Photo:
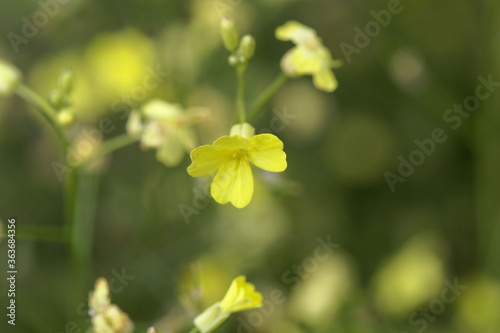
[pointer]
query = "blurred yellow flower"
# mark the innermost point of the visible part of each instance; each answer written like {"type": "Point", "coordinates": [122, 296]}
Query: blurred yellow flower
{"type": "Point", "coordinates": [107, 317]}
{"type": "Point", "coordinates": [308, 57]}
{"type": "Point", "coordinates": [9, 77]}
{"type": "Point", "coordinates": [240, 296]}
{"type": "Point", "coordinates": [118, 62]}
{"type": "Point", "coordinates": [230, 156]}
{"type": "Point", "coordinates": [166, 127]}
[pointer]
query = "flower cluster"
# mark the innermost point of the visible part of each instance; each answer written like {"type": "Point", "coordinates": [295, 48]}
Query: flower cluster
{"type": "Point", "coordinates": [167, 128]}
{"type": "Point", "coordinates": [230, 157]}
{"type": "Point", "coordinates": [106, 317]}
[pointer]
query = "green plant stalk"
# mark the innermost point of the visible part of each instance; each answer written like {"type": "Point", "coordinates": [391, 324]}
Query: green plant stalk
{"type": "Point", "coordinates": [82, 230]}
{"type": "Point", "coordinates": [108, 147]}
{"type": "Point", "coordinates": [46, 111]}
{"type": "Point", "coordinates": [267, 95]}
{"type": "Point", "coordinates": [195, 330]}
{"type": "Point", "coordinates": [240, 97]}
{"type": "Point", "coordinates": [76, 240]}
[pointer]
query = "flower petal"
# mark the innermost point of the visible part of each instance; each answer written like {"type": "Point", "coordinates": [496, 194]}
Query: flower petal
{"type": "Point", "coordinates": [233, 183]}
{"type": "Point", "coordinates": [231, 143]}
{"type": "Point", "coordinates": [158, 109]}
{"type": "Point", "coordinates": [171, 152]}
{"type": "Point", "coordinates": [241, 296]}
{"type": "Point", "coordinates": [134, 124]}
{"type": "Point", "coordinates": [152, 135]}
{"type": "Point", "coordinates": [325, 80]}
{"type": "Point", "coordinates": [296, 32]}
{"type": "Point", "coordinates": [267, 153]}
{"type": "Point", "coordinates": [300, 61]}
{"type": "Point", "coordinates": [206, 160]}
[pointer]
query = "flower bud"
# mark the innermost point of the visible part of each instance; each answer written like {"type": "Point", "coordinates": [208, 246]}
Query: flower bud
{"type": "Point", "coordinates": [9, 78]}
{"type": "Point", "coordinates": [65, 81]}
{"type": "Point", "coordinates": [247, 47]}
{"type": "Point", "coordinates": [232, 60]}
{"type": "Point", "coordinates": [153, 330]}
{"type": "Point", "coordinates": [229, 34]}
{"type": "Point", "coordinates": [65, 117]}
{"type": "Point", "coordinates": [244, 129]}
{"type": "Point", "coordinates": [57, 99]}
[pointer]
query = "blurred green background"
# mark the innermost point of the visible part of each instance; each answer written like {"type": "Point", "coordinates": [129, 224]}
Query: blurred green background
{"type": "Point", "coordinates": [398, 251]}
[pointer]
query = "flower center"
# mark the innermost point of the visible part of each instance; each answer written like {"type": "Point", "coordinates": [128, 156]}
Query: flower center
{"type": "Point", "coordinates": [240, 154]}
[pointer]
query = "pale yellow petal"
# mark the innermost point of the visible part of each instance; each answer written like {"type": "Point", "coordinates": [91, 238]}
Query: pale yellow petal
{"type": "Point", "coordinates": [158, 109]}
{"type": "Point", "coordinates": [171, 152]}
{"type": "Point", "coordinates": [152, 135]}
{"type": "Point", "coordinates": [300, 61]}
{"type": "Point", "coordinates": [205, 161]}
{"type": "Point", "coordinates": [134, 124]}
{"type": "Point", "coordinates": [231, 143]}
{"type": "Point", "coordinates": [267, 153]}
{"type": "Point", "coordinates": [295, 32]}
{"type": "Point", "coordinates": [233, 183]}
{"type": "Point", "coordinates": [325, 80]}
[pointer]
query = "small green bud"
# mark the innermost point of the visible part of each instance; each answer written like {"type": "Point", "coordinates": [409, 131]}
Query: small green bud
{"type": "Point", "coordinates": [247, 47]}
{"type": "Point", "coordinates": [229, 34]}
{"type": "Point", "coordinates": [57, 99]}
{"type": "Point", "coordinates": [65, 81]}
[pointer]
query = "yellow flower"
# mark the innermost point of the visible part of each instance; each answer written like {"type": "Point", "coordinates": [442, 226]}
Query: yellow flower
{"type": "Point", "coordinates": [230, 157]}
{"type": "Point", "coordinates": [240, 296]}
{"type": "Point", "coordinates": [166, 127]}
{"type": "Point", "coordinates": [308, 57]}
{"type": "Point", "coordinates": [9, 78]}
{"type": "Point", "coordinates": [107, 317]}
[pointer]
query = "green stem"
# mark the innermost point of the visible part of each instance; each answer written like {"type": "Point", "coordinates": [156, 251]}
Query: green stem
{"type": "Point", "coordinates": [82, 230]}
{"type": "Point", "coordinates": [240, 99]}
{"type": "Point", "coordinates": [266, 96]}
{"type": "Point", "coordinates": [108, 147]}
{"type": "Point", "coordinates": [46, 110]}
{"type": "Point", "coordinates": [195, 330]}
